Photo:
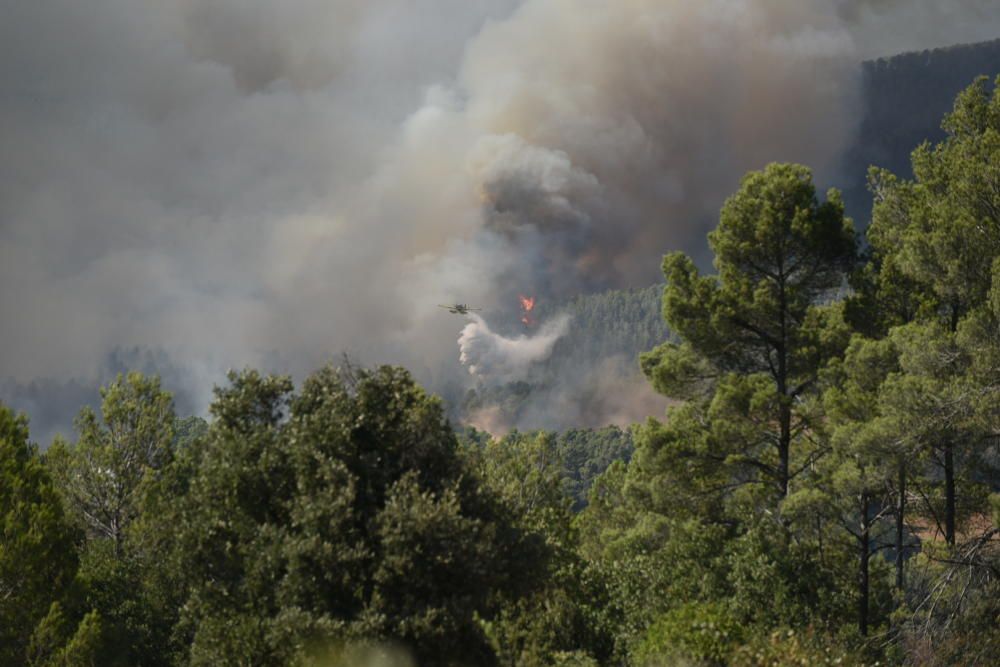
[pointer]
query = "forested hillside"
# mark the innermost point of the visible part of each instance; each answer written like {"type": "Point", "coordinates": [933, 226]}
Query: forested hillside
{"type": "Point", "coordinates": [608, 324]}
{"type": "Point", "coordinates": [598, 353]}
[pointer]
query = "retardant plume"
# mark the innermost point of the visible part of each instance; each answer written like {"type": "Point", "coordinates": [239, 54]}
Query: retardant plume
{"type": "Point", "coordinates": [493, 358]}
{"type": "Point", "coordinates": [244, 183]}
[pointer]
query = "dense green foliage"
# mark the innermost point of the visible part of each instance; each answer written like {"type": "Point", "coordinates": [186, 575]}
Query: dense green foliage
{"type": "Point", "coordinates": [822, 491]}
{"type": "Point", "coordinates": [903, 99]}
{"type": "Point", "coordinates": [38, 562]}
{"type": "Point", "coordinates": [580, 455]}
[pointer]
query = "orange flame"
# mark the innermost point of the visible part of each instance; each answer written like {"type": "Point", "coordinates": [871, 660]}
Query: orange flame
{"type": "Point", "coordinates": [527, 305]}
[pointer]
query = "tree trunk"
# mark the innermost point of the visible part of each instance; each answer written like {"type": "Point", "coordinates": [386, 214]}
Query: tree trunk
{"type": "Point", "coordinates": [949, 494]}
{"type": "Point", "coordinates": [784, 420]}
{"type": "Point", "coordinates": [785, 411]}
{"type": "Point", "coordinates": [949, 462]}
{"type": "Point", "coordinates": [864, 546]}
{"type": "Point", "coordinates": [784, 446]}
{"type": "Point", "coordinates": [900, 515]}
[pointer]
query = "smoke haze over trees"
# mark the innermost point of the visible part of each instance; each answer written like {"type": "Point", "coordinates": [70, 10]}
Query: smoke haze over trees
{"type": "Point", "coordinates": [303, 180]}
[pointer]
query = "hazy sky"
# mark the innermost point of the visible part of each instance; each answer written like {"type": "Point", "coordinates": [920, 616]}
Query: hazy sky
{"type": "Point", "coordinates": [234, 182]}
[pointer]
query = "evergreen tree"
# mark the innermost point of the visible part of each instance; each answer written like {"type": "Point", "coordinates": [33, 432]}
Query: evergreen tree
{"type": "Point", "coordinates": [38, 561]}
{"type": "Point", "coordinates": [754, 337]}
{"type": "Point", "coordinates": [851, 488]}
{"type": "Point", "coordinates": [936, 238]}
{"type": "Point", "coordinates": [100, 476]}
{"type": "Point", "coordinates": [343, 512]}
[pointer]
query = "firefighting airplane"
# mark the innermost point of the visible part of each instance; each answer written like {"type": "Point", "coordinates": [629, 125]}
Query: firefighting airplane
{"type": "Point", "coordinates": [459, 308]}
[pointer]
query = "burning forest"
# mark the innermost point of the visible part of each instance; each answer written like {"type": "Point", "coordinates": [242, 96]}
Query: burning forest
{"type": "Point", "coordinates": [662, 332]}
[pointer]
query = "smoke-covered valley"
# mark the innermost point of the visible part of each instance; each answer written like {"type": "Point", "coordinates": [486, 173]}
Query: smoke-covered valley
{"type": "Point", "coordinates": [210, 184]}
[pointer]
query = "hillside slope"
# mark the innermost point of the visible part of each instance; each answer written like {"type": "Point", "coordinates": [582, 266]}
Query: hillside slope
{"type": "Point", "coordinates": [592, 377]}
{"type": "Point", "coordinates": [904, 98]}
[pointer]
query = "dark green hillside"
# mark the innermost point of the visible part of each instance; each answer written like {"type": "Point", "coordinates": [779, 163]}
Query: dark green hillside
{"type": "Point", "coordinates": [613, 323]}
{"type": "Point", "coordinates": [904, 98]}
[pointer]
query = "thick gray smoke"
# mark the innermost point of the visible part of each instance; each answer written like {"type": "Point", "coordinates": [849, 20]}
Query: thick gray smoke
{"type": "Point", "coordinates": [887, 27]}
{"type": "Point", "coordinates": [241, 182]}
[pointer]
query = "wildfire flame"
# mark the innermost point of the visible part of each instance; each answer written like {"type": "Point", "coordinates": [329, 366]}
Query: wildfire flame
{"type": "Point", "coordinates": [527, 305]}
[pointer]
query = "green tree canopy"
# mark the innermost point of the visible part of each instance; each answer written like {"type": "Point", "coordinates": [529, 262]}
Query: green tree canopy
{"type": "Point", "coordinates": [754, 336]}
{"type": "Point", "coordinates": [343, 511]}
{"type": "Point", "coordinates": [38, 558]}
{"type": "Point", "coordinates": [940, 232]}
{"type": "Point", "coordinates": [100, 476]}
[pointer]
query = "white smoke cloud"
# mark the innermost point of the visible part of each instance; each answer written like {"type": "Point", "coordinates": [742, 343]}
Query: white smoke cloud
{"type": "Point", "coordinates": [496, 359]}
{"type": "Point", "coordinates": [609, 391]}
